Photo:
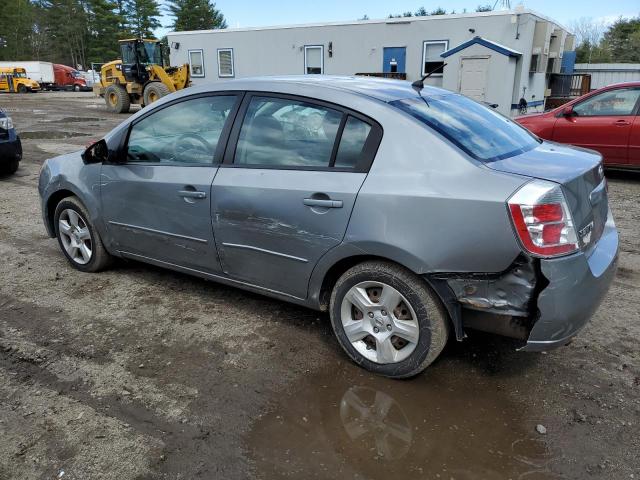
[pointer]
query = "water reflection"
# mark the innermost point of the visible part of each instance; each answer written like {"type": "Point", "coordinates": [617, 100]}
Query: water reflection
{"type": "Point", "coordinates": [372, 417]}
{"type": "Point", "coordinates": [451, 422]}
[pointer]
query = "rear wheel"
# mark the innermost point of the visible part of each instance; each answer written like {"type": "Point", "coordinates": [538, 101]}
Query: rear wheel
{"type": "Point", "coordinates": [117, 99]}
{"type": "Point", "coordinates": [154, 91]}
{"type": "Point", "coordinates": [77, 237]}
{"type": "Point", "coordinates": [387, 319]}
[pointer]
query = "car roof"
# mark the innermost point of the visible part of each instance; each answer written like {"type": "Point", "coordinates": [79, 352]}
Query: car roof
{"type": "Point", "coordinates": [382, 89]}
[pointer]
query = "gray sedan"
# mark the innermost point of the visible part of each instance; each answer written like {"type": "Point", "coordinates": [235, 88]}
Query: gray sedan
{"type": "Point", "coordinates": [409, 214]}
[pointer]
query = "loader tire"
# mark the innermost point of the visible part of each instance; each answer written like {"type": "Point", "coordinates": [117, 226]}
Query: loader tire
{"type": "Point", "coordinates": [117, 99]}
{"type": "Point", "coordinates": [154, 91]}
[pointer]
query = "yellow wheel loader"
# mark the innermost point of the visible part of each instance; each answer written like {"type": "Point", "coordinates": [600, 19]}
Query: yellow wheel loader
{"type": "Point", "coordinates": [139, 77]}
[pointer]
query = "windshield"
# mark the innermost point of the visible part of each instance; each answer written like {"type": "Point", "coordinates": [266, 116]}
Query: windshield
{"type": "Point", "coordinates": [76, 74]}
{"type": "Point", "coordinates": [479, 131]}
{"type": "Point", "coordinates": [20, 75]}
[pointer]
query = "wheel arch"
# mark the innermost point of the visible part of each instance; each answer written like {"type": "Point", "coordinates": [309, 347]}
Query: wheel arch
{"type": "Point", "coordinates": [50, 208]}
{"type": "Point", "coordinates": [322, 284]}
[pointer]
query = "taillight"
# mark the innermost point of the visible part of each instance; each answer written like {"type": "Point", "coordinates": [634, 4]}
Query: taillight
{"type": "Point", "coordinates": [542, 219]}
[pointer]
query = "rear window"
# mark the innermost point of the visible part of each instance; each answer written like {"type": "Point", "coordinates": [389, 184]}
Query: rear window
{"type": "Point", "coordinates": [481, 132]}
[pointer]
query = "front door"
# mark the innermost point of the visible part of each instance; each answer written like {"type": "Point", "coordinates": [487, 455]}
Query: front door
{"type": "Point", "coordinates": [394, 60]}
{"type": "Point", "coordinates": [284, 195]}
{"type": "Point", "coordinates": [157, 203]}
{"type": "Point", "coordinates": [602, 122]}
{"type": "Point", "coordinates": [473, 77]}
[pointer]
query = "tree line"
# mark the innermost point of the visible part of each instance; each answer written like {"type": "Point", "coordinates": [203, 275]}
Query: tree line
{"type": "Point", "coordinates": [79, 32]}
{"type": "Point", "coordinates": [616, 43]}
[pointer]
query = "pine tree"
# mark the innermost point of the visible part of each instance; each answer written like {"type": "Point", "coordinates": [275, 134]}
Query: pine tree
{"type": "Point", "coordinates": [195, 15]}
{"type": "Point", "coordinates": [143, 17]}
{"type": "Point", "coordinates": [16, 30]}
{"type": "Point", "coordinates": [104, 29]}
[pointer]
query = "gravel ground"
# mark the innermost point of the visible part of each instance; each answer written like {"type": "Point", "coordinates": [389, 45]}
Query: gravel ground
{"type": "Point", "coordinates": [141, 373]}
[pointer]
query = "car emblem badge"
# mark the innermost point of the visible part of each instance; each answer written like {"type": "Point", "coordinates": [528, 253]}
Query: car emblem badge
{"type": "Point", "coordinates": [585, 233]}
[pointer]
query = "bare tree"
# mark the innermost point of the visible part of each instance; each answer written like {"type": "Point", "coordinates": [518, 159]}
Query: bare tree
{"type": "Point", "coordinates": [587, 30]}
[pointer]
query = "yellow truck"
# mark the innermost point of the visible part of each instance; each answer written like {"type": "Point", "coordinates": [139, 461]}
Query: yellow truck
{"type": "Point", "coordinates": [15, 80]}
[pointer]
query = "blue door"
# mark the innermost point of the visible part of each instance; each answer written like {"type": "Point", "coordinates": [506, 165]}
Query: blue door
{"type": "Point", "coordinates": [394, 59]}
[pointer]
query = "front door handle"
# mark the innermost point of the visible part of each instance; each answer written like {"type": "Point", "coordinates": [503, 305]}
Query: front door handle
{"type": "Point", "coordinates": [622, 123]}
{"type": "Point", "coordinates": [324, 203]}
{"type": "Point", "coordinates": [192, 194]}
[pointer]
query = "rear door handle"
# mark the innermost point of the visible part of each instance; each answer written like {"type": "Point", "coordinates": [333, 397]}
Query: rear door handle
{"type": "Point", "coordinates": [318, 202]}
{"type": "Point", "coordinates": [192, 194]}
{"type": "Point", "coordinates": [622, 123]}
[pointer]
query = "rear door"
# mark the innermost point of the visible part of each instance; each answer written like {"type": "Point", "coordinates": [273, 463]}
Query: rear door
{"type": "Point", "coordinates": [634, 142]}
{"type": "Point", "coordinates": [157, 203]}
{"type": "Point", "coordinates": [285, 192]}
{"type": "Point", "coordinates": [602, 122]}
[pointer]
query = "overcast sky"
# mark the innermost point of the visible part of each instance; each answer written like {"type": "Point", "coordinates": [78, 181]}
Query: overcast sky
{"type": "Point", "coordinates": [252, 13]}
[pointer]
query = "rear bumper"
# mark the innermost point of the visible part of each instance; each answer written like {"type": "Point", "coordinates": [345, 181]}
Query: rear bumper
{"type": "Point", "coordinates": [577, 285]}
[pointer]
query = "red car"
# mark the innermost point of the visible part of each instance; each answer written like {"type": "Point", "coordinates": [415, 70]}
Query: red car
{"type": "Point", "coordinates": [606, 120]}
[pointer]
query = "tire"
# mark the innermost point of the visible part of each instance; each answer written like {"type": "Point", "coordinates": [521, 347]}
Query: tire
{"type": "Point", "coordinates": [154, 91]}
{"type": "Point", "coordinates": [422, 326]}
{"type": "Point", "coordinates": [9, 168]}
{"type": "Point", "coordinates": [76, 88]}
{"type": "Point", "coordinates": [99, 258]}
{"type": "Point", "coordinates": [117, 99]}
{"type": "Point", "coordinates": [22, 89]}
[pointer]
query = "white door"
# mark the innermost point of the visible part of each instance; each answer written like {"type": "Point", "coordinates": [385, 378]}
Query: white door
{"type": "Point", "coordinates": [473, 77]}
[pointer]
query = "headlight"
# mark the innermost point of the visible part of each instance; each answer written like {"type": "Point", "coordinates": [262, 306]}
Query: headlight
{"type": "Point", "coordinates": [6, 123]}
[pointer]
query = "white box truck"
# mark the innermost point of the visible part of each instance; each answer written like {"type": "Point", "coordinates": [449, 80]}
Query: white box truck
{"type": "Point", "coordinates": [41, 72]}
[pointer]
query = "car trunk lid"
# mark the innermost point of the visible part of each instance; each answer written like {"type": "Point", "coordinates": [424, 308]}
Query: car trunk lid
{"type": "Point", "coordinates": [579, 172]}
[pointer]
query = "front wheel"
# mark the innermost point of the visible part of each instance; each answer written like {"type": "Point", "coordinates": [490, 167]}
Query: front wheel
{"type": "Point", "coordinates": [387, 319]}
{"type": "Point", "coordinates": [154, 91]}
{"type": "Point", "coordinates": [117, 99]}
{"type": "Point", "coordinates": [78, 239]}
{"type": "Point", "coordinates": [22, 89]}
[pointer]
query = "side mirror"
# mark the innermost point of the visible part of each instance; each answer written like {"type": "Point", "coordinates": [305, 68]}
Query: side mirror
{"type": "Point", "coordinates": [567, 111]}
{"type": "Point", "coordinates": [96, 153]}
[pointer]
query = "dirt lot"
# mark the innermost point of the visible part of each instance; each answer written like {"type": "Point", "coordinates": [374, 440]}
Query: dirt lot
{"type": "Point", "coordinates": [140, 373]}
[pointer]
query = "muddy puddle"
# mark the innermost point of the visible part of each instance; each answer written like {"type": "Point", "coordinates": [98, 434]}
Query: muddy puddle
{"type": "Point", "coordinates": [51, 135]}
{"type": "Point", "coordinates": [349, 424]}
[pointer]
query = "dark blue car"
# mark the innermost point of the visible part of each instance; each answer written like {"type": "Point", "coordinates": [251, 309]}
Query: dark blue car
{"type": "Point", "coordinates": [10, 146]}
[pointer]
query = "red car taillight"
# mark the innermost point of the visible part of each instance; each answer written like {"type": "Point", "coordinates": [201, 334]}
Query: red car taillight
{"type": "Point", "coordinates": [542, 219]}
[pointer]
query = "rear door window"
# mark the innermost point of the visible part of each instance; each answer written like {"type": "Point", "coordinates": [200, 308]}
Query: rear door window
{"type": "Point", "coordinates": [352, 143]}
{"type": "Point", "coordinates": [297, 133]}
{"type": "Point", "coordinates": [278, 132]}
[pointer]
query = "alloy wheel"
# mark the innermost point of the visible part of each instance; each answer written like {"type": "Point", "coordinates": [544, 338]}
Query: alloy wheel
{"type": "Point", "coordinates": [75, 236]}
{"type": "Point", "coordinates": [379, 322]}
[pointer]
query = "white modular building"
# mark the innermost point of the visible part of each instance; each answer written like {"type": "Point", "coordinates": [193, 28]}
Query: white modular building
{"type": "Point", "coordinates": [497, 57]}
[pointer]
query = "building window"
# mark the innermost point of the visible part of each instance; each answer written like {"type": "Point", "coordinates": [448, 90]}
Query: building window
{"type": "Point", "coordinates": [314, 59]}
{"type": "Point", "coordinates": [225, 62]}
{"type": "Point", "coordinates": [431, 59]}
{"type": "Point", "coordinates": [196, 63]}
{"type": "Point", "coordinates": [534, 67]}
